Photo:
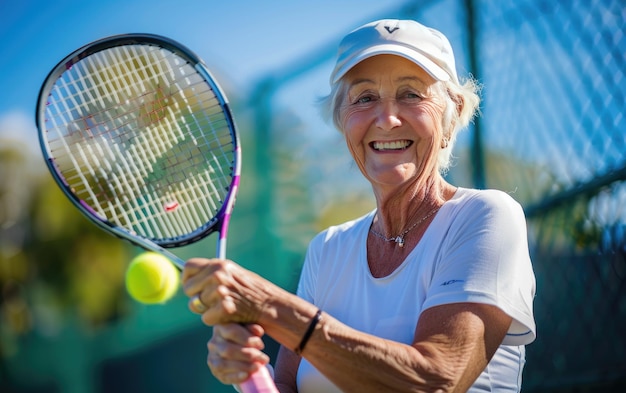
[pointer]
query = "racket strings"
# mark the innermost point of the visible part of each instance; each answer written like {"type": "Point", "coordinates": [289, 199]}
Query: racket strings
{"type": "Point", "coordinates": [143, 139]}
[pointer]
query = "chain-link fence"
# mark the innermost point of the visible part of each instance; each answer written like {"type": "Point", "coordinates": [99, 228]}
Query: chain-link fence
{"type": "Point", "coordinates": [552, 133]}
{"type": "Point", "coordinates": [555, 77]}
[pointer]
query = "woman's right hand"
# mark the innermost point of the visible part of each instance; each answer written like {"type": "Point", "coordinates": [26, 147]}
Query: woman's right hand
{"type": "Point", "coordinates": [235, 352]}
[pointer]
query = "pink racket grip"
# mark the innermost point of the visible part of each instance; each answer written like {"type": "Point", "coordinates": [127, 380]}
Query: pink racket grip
{"type": "Point", "coordinates": [259, 382]}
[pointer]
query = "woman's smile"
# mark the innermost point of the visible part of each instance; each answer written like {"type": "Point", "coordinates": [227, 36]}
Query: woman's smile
{"type": "Point", "coordinates": [393, 146]}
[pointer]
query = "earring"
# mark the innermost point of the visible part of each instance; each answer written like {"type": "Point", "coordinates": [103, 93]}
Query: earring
{"type": "Point", "coordinates": [444, 143]}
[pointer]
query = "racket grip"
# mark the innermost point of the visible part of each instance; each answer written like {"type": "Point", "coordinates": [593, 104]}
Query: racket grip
{"type": "Point", "coordinates": [259, 382]}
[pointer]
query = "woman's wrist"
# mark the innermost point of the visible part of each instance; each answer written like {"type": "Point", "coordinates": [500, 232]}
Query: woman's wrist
{"type": "Point", "coordinates": [307, 334]}
{"type": "Point", "coordinates": [285, 315]}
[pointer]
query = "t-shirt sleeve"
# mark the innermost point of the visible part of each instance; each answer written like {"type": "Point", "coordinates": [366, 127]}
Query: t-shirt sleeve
{"type": "Point", "coordinates": [310, 268]}
{"type": "Point", "coordinates": [485, 259]}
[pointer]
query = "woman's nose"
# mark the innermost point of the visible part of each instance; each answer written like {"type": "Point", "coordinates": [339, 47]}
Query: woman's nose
{"type": "Point", "coordinates": [388, 116]}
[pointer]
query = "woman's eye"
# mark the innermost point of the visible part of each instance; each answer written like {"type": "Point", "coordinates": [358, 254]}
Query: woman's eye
{"type": "Point", "coordinates": [364, 100]}
{"type": "Point", "coordinates": [412, 95]}
{"type": "Point", "coordinates": [410, 98]}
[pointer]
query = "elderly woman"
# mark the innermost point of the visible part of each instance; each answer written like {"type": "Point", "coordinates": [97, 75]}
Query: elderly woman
{"type": "Point", "coordinates": [431, 291]}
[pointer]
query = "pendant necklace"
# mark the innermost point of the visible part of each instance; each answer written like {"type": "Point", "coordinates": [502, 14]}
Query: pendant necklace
{"type": "Point", "coordinates": [400, 238]}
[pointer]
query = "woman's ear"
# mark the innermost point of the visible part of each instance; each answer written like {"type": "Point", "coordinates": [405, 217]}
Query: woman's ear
{"type": "Point", "coordinates": [459, 101]}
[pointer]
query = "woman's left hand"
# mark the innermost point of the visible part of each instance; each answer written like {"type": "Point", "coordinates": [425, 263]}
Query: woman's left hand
{"type": "Point", "coordinates": [235, 352]}
{"type": "Point", "coordinates": [223, 292]}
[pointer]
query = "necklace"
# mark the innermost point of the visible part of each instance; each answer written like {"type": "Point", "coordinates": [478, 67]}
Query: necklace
{"type": "Point", "coordinates": [400, 238]}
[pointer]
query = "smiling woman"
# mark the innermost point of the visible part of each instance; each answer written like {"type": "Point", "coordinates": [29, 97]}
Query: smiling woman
{"type": "Point", "coordinates": [459, 101]}
{"type": "Point", "coordinates": [387, 106]}
{"type": "Point", "coordinates": [431, 290]}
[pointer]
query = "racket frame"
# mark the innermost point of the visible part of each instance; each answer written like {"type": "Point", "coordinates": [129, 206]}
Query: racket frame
{"type": "Point", "coordinates": [220, 220]}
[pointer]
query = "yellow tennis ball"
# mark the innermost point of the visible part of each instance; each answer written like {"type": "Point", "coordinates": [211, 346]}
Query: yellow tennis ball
{"type": "Point", "coordinates": [151, 278]}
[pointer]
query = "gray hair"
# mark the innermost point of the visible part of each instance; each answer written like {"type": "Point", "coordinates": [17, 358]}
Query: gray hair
{"type": "Point", "coordinates": [461, 105]}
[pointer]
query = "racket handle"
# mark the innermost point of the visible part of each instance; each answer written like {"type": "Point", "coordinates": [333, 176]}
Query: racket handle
{"type": "Point", "coordinates": [259, 382]}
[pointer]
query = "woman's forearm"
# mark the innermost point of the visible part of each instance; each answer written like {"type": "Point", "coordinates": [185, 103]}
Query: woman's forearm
{"type": "Point", "coordinates": [442, 359]}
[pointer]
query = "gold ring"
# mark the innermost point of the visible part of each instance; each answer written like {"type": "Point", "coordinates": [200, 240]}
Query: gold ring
{"type": "Point", "coordinates": [197, 304]}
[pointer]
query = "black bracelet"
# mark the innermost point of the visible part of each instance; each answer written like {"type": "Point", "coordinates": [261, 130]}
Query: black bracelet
{"type": "Point", "coordinates": [309, 332]}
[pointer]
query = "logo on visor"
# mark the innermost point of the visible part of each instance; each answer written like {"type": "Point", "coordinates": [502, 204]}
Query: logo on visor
{"type": "Point", "coordinates": [391, 29]}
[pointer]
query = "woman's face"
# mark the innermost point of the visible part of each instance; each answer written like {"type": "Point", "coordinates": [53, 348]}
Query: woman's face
{"type": "Point", "coordinates": [391, 118]}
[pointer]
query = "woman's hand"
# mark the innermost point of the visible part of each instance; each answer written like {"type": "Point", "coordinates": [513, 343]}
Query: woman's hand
{"type": "Point", "coordinates": [235, 352]}
{"type": "Point", "coordinates": [223, 292]}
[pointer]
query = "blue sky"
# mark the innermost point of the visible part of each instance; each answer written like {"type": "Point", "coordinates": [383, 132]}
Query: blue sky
{"type": "Point", "coordinates": [242, 40]}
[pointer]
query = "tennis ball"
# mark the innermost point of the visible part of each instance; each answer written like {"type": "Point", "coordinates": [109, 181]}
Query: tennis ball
{"type": "Point", "coordinates": [151, 278]}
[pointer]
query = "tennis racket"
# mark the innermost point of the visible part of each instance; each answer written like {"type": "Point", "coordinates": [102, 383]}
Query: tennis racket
{"type": "Point", "coordinates": [140, 138]}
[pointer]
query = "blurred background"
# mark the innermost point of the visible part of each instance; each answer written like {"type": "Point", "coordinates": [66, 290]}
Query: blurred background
{"type": "Point", "coordinates": [552, 134]}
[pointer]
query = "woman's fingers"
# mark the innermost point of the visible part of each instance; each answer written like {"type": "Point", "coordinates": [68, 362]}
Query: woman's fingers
{"type": "Point", "coordinates": [196, 305]}
{"type": "Point", "coordinates": [242, 335]}
{"type": "Point", "coordinates": [223, 292]}
{"type": "Point", "coordinates": [206, 282]}
{"type": "Point", "coordinates": [198, 274]}
{"type": "Point", "coordinates": [235, 351]}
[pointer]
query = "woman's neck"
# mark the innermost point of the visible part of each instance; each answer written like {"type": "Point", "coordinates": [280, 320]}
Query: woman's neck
{"type": "Point", "coordinates": [398, 209]}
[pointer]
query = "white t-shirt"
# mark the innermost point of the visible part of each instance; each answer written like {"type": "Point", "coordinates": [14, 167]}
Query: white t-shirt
{"type": "Point", "coordinates": [475, 250]}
